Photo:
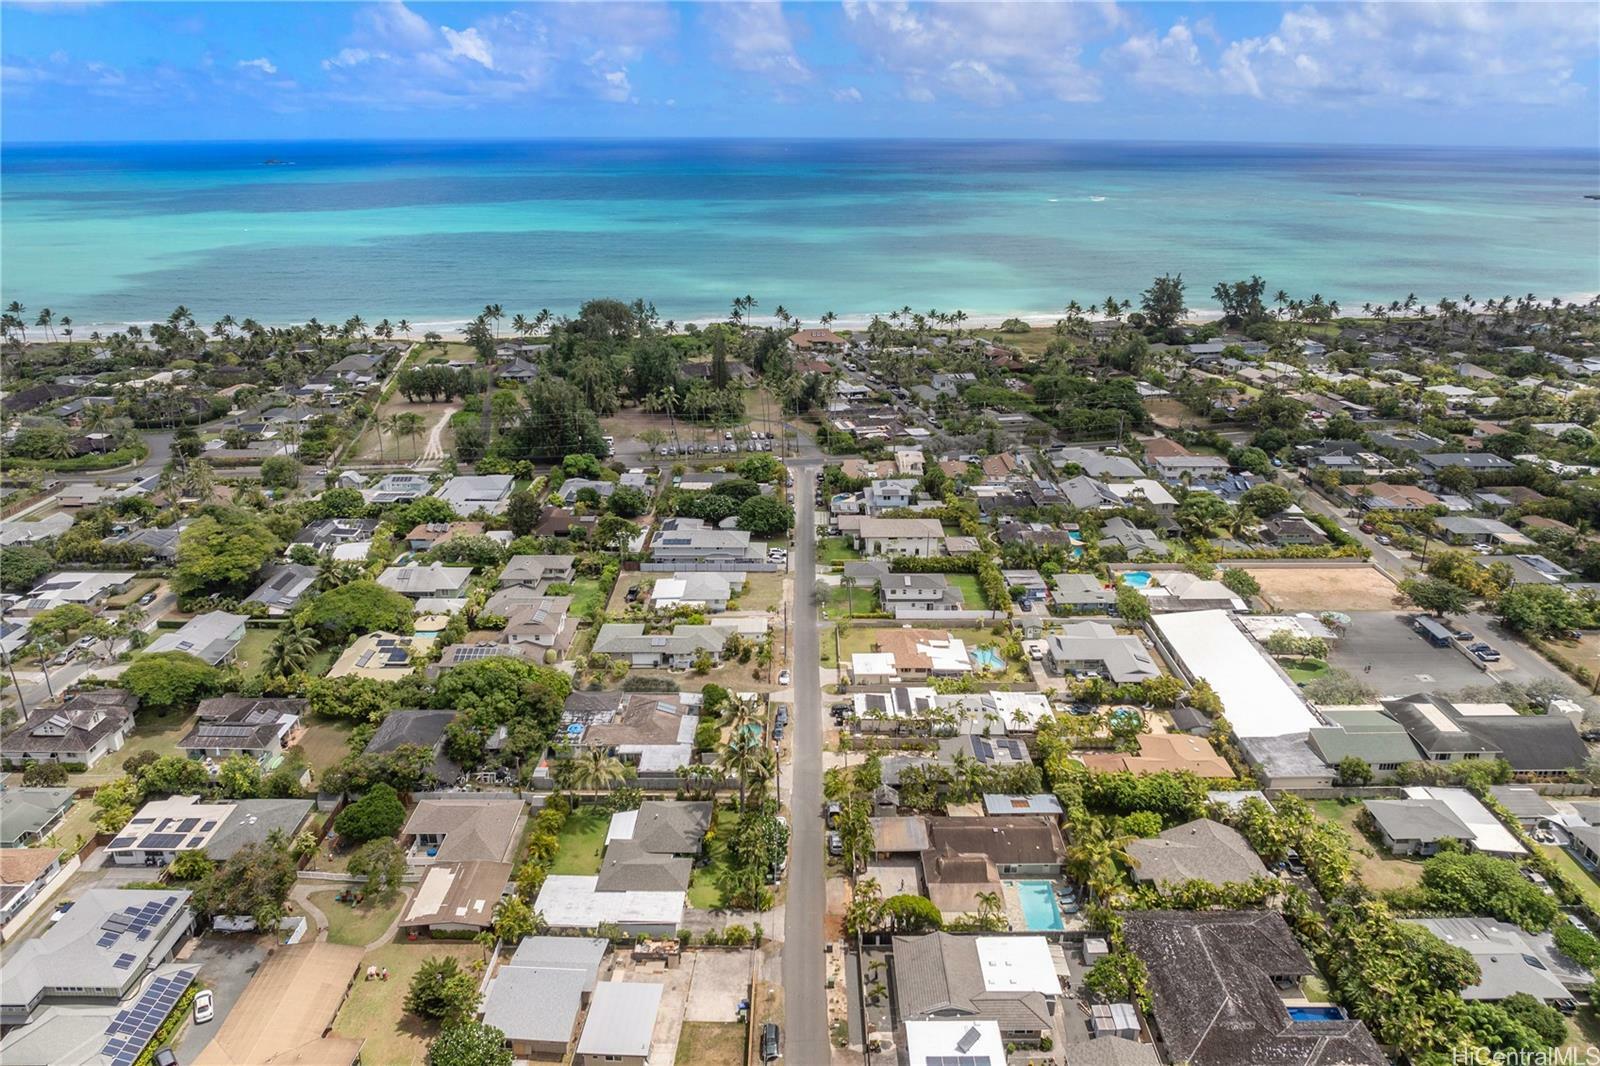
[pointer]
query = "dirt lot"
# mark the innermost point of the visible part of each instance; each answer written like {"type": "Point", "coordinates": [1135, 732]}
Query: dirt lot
{"type": "Point", "coordinates": [1172, 414]}
{"type": "Point", "coordinates": [403, 448]}
{"type": "Point", "coordinates": [1329, 588]}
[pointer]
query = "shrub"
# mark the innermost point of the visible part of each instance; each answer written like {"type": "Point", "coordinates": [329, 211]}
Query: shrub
{"type": "Point", "coordinates": [377, 814]}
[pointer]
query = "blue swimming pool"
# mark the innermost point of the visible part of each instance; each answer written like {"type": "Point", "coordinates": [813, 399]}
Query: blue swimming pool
{"type": "Point", "coordinates": [987, 658]}
{"type": "Point", "coordinates": [1137, 578]}
{"type": "Point", "coordinates": [1039, 910]}
{"type": "Point", "coordinates": [1316, 1014]}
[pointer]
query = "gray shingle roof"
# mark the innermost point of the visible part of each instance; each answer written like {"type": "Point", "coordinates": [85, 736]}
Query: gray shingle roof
{"type": "Point", "coordinates": [1201, 850]}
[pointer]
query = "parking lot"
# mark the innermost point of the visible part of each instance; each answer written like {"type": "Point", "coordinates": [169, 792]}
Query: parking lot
{"type": "Point", "coordinates": [227, 962]}
{"type": "Point", "coordinates": [1401, 662]}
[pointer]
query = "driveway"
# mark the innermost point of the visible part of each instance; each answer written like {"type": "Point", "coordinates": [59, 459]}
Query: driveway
{"type": "Point", "coordinates": [721, 980]}
{"type": "Point", "coordinates": [227, 963]}
{"type": "Point", "coordinates": [805, 1002]}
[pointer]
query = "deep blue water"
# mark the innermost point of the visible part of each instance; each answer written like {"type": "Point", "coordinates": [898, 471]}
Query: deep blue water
{"type": "Point", "coordinates": [433, 231]}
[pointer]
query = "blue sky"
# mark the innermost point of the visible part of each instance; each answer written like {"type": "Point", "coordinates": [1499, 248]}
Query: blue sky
{"type": "Point", "coordinates": [1445, 73]}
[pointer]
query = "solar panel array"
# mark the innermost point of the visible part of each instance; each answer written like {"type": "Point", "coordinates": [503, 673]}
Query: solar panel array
{"type": "Point", "coordinates": [472, 652]}
{"type": "Point", "coordinates": [132, 1029]}
{"type": "Point", "coordinates": [161, 841]}
{"type": "Point", "coordinates": [958, 1060]}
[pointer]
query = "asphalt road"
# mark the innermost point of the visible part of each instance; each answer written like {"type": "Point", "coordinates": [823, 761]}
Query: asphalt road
{"type": "Point", "coordinates": [805, 998]}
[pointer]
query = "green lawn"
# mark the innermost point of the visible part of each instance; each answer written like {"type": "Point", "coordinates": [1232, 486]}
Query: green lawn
{"type": "Point", "coordinates": [252, 650]}
{"type": "Point", "coordinates": [1301, 671]}
{"type": "Point", "coordinates": [711, 1044]}
{"type": "Point", "coordinates": [325, 743]}
{"type": "Point", "coordinates": [356, 925]}
{"type": "Point", "coordinates": [583, 839]}
{"type": "Point", "coordinates": [707, 882]}
{"type": "Point", "coordinates": [586, 594]}
{"type": "Point", "coordinates": [375, 1010]}
{"type": "Point", "coordinates": [1379, 870]}
{"type": "Point", "coordinates": [838, 606]}
{"type": "Point", "coordinates": [1583, 1034]}
{"type": "Point", "coordinates": [832, 550]}
{"type": "Point", "coordinates": [1581, 879]}
{"type": "Point", "coordinates": [151, 732]}
{"type": "Point", "coordinates": [971, 593]}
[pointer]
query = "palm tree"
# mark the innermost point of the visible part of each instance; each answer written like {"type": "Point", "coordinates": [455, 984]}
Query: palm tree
{"type": "Point", "coordinates": [410, 423]}
{"type": "Point", "coordinates": [290, 653]}
{"type": "Point", "coordinates": [44, 321]}
{"type": "Point", "coordinates": [66, 327]}
{"type": "Point", "coordinates": [493, 313]}
{"type": "Point", "coordinates": [16, 309]}
{"type": "Point", "coordinates": [849, 584]}
{"type": "Point", "coordinates": [740, 754]}
{"type": "Point", "coordinates": [404, 326]}
{"type": "Point", "coordinates": [597, 769]}
{"type": "Point", "coordinates": [520, 325]}
{"type": "Point", "coordinates": [387, 424]}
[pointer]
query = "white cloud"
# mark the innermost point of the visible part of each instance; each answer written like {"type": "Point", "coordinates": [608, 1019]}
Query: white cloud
{"type": "Point", "coordinates": [986, 53]}
{"type": "Point", "coordinates": [467, 44]}
{"type": "Point", "coordinates": [756, 38]}
{"type": "Point", "coordinates": [847, 95]}
{"type": "Point", "coordinates": [350, 57]}
{"type": "Point", "coordinates": [263, 64]}
{"type": "Point", "coordinates": [1431, 54]}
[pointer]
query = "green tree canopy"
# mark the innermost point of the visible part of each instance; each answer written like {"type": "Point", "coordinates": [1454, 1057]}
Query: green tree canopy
{"type": "Point", "coordinates": [355, 608]}
{"type": "Point", "coordinates": [764, 516]}
{"type": "Point", "coordinates": [254, 881]}
{"type": "Point", "coordinates": [172, 681]}
{"type": "Point", "coordinates": [470, 1044]}
{"type": "Point", "coordinates": [222, 551]}
{"type": "Point", "coordinates": [376, 815]}
{"type": "Point", "coordinates": [22, 565]}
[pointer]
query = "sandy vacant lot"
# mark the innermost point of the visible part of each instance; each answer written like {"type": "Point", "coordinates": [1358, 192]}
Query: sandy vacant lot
{"type": "Point", "coordinates": [1331, 588]}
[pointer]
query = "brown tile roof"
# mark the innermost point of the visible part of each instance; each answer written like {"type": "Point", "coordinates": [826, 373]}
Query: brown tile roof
{"type": "Point", "coordinates": [1164, 751]}
{"type": "Point", "coordinates": [19, 866]}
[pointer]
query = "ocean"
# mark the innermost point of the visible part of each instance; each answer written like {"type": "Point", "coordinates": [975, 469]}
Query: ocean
{"type": "Point", "coordinates": [431, 232]}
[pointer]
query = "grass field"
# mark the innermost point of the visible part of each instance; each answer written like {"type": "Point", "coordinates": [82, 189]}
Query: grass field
{"type": "Point", "coordinates": [971, 593]}
{"type": "Point", "coordinates": [1583, 1035]}
{"type": "Point", "coordinates": [252, 650]}
{"type": "Point", "coordinates": [77, 824]}
{"type": "Point", "coordinates": [1379, 871]}
{"type": "Point", "coordinates": [762, 592]}
{"type": "Point", "coordinates": [375, 1010]}
{"type": "Point", "coordinates": [711, 1044]}
{"type": "Point", "coordinates": [356, 925]}
{"type": "Point", "coordinates": [583, 839]}
{"type": "Point", "coordinates": [325, 743]}
{"type": "Point", "coordinates": [1302, 670]}
{"type": "Point", "coordinates": [832, 550]}
{"type": "Point", "coordinates": [586, 595]}
{"type": "Point", "coordinates": [707, 883]}
{"type": "Point", "coordinates": [1581, 879]}
{"type": "Point", "coordinates": [151, 732]}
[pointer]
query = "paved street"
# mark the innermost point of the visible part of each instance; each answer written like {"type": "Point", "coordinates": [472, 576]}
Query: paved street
{"type": "Point", "coordinates": [806, 1029]}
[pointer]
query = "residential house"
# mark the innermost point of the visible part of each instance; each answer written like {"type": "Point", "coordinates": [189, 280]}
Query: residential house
{"type": "Point", "coordinates": [84, 588]}
{"type": "Point", "coordinates": [381, 656]}
{"type": "Point", "coordinates": [1414, 825]}
{"type": "Point", "coordinates": [1009, 980]}
{"type": "Point", "coordinates": [1146, 493]}
{"type": "Point", "coordinates": [1032, 584]}
{"type": "Point", "coordinates": [938, 1043]}
{"type": "Point", "coordinates": [211, 637]}
{"type": "Point", "coordinates": [1511, 960]}
{"type": "Point", "coordinates": [457, 897]}
{"type": "Point", "coordinates": [418, 728]}
{"type": "Point", "coordinates": [1477, 462]}
{"type": "Point", "coordinates": [282, 587]}
{"type": "Point", "coordinates": [560, 974]}
{"type": "Point", "coordinates": [1366, 734]}
{"type": "Point", "coordinates": [1136, 543]}
{"type": "Point", "coordinates": [538, 570]}
{"type": "Point", "coordinates": [1096, 464]}
{"type": "Point", "coordinates": [698, 591]}
{"type": "Point", "coordinates": [1182, 591]}
{"type": "Point", "coordinates": [156, 544]}
{"type": "Point", "coordinates": [570, 488]}
{"type": "Point", "coordinates": [909, 462]}
{"type": "Point", "coordinates": [1163, 753]}
{"type": "Point", "coordinates": [620, 1025]}
{"type": "Point", "coordinates": [1083, 593]}
{"type": "Point", "coordinates": [30, 814]}
{"type": "Point", "coordinates": [1096, 648]}
{"type": "Point", "coordinates": [669, 651]}
{"type": "Point", "coordinates": [164, 828]}
{"type": "Point", "coordinates": [1470, 529]}
{"type": "Point", "coordinates": [1539, 745]}
{"type": "Point", "coordinates": [14, 531]}
{"type": "Point", "coordinates": [544, 624]}
{"type": "Point", "coordinates": [430, 579]}
{"type": "Point", "coordinates": [86, 726]}
{"type": "Point", "coordinates": [261, 727]}
{"type": "Point", "coordinates": [1085, 493]}
{"type": "Point", "coordinates": [99, 951]}
{"type": "Point", "coordinates": [1201, 850]}
{"type": "Point", "coordinates": [650, 731]}
{"type": "Point", "coordinates": [1293, 530]}
{"type": "Point", "coordinates": [327, 534]}
{"type": "Point", "coordinates": [399, 488]}
{"type": "Point", "coordinates": [690, 546]}
{"type": "Point", "coordinates": [1172, 460]}
{"type": "Point", "coordinates": [468, 495]}
{"type": "Point", "coordinates": [653, 849]}
{"type": "Point", "coordinates": [24, 874]}
{"type": "Point", "coordinates": [900, 536]}
{"type": "Point", "coordinates": [908, 654]}
{"type": "Point", "coordinates": [817, 340]}
{"type": "Point", "coordinates": [889, 495]}
{"type": "Point", "coordinates": [1019, 845]}
{"type": "Point", "coordinates": [1215, 979]}
{"type": "Point", "coordinates": [426, 536]}
{"type": "Point", "coordinates": [463, 829]}
{"type": "Point", "coordinates": [911, 594]}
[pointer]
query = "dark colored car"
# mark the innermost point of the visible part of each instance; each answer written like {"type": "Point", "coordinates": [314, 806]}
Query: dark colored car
{"type": "Point", "coordinates": [165, 1057]}
{"type": "Point", "coordinates": [769, 1041]}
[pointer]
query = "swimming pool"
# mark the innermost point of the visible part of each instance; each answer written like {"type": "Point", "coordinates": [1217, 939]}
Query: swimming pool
{"type": "Point", "coordinates": [1038, 899]}
{"type": "Point", "coordinates": [1137, 578]}
{"type": "Point", "coordinates": [987, 659]}
{"type": "Point", "coordinates": [1316, 1014]}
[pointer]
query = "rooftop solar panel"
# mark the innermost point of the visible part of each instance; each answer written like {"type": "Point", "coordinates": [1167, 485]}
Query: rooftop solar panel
{"type": "Point", "coordinates": [124, 961]}
{"type": "Point", "coordinates": [162, 841]}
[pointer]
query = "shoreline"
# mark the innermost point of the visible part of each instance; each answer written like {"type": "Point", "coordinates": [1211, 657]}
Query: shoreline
{"type": "Point", "coordinates": [454, 329]}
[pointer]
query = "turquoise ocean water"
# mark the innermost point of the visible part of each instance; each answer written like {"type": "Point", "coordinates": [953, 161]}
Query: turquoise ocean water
{"type": "Point", "coordinates": [433, 231]}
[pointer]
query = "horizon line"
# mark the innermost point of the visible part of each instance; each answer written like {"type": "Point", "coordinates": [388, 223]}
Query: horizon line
{"type": "Point", "coordinates": [817, 139]}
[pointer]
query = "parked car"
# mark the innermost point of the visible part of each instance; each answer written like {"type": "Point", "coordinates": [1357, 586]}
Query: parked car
{"type": "Point", "coordinates": [84, 642]}
{"type": "Point", "coordinates": [165, 1057]}
{"type": "Point", "coordinates": [831, 813]}
{"type": "Point", "coordinates": [783, 677]}
{"type": "Point", "coordinates": [769, 1041]}
{"type": "Point", "coordinates": [205, 1007]}
{"type": "Point", "coordinates": [835, 844]}
{"type": "Point", "coordinates": [147, 599]}
{"type": "Point", "coordinates": [1368, 527]}
{"type": "Point", "coordinates": [1385, 539]}
{"type": "Point", "coordinates": [1463, 635]}
{"type": "Point", "coordinates": [60, 911]}
{"type": "Point", "coordinates": [1536, 879]}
